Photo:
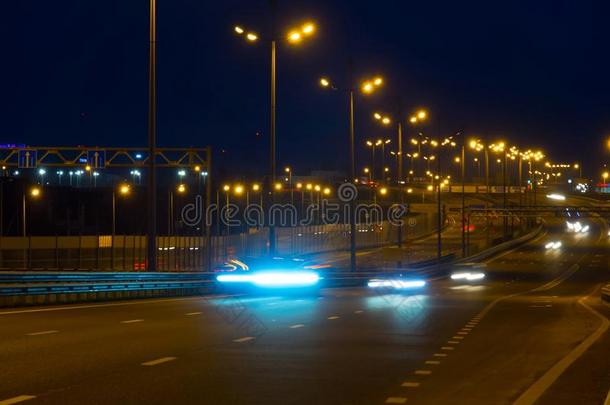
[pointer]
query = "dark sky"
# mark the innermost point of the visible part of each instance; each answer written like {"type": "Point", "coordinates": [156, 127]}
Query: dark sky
{"type": "Point", "coordinates": [534, 72]}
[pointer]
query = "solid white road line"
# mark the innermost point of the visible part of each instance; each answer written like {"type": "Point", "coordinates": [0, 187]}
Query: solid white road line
{"type": "Point", "coordinates": [133, 321]}
{"type": "Point", "coordinates": [192, 313]}
{"type": "Point", "coordinates": [244, 339]}
{"type": "Point", "coordinates": [18, 399]}
{"type": "Point", "coordinates": [44, 332]}
{"type": "Point", "coordinates": [158, 361]}
{"type": "Point", "coordinates": [298, 325]}
{"type": "Point", "coordinates": [534, 392]}
{"type": "Point", "coordinates": [396, 400]}
{"type": "Point", "coordinates": [410, 384]}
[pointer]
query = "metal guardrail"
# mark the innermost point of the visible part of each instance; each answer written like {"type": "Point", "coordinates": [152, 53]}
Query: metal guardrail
{"type": "Point", "coordinates": [56, 283]}
{"type": "Point", "coordinates": [57, 277]}
{"type": "Point", "coordinates": [76, 288]}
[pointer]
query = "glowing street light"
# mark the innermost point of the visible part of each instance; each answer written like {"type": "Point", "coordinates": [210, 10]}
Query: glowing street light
{"type": "Point", "coordinates": [419, 116]}
{"type": "Point", "coordinates": [124, 189]}
{"type": "Point", "coordinates": [296, 35]}
{"type": "Point", "coordinates": [181, 188]}
{"type": "Point", "coordinates": [370, 85]}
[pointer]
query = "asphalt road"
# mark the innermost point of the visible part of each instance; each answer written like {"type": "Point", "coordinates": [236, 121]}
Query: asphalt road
{"type": "Point", "coordinates": [533, 330]}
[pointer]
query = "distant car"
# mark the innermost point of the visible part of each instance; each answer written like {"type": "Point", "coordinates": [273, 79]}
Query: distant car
{"type": "Point", "coordinates": [396, 281]}
{"type": "Point", "coordinates": [468, 273]}
{"type": "Point", "coordinates": [269, 273]}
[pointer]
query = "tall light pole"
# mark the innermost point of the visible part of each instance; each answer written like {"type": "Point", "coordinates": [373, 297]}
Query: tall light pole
{"type": "Point", "coordinates": [367, 87]}
{"type": "Point", "coordinates": [294, 37]}
{"type": "Point", "coordinates": [34, 194]}
{"type": "Point", "coordinates": [463, 173]}
{"type": "Point", "coordinates": [151, 241]}
{"type": "Point", "coordinates": [124, 190]}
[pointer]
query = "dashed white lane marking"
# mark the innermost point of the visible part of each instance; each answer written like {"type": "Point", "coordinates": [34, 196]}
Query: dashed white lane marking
{"type": "Point", "coordinates": [466, 329]}
{"type": "Point", "coordinates": [396, 400]}
{"type": "Point", "coordinates": [453, 342]}
{"type": "Point", "coordinates": [298, 325]}
{"type": "Point", "coordinates": [44, 332]}
{"type": "Point", "coordinates": [358, 311]}
{"type": "Point", "coordinates": [433, 362]}
{"type": "Point", "coordinates": [440, 354]}
{"type": "Point", "coordinates": [458, 337]}
{"type": "Point", "coordinates": [423, 372]}
{"type": "Point", "coordinates": [462, 333]}
{"type": "Point", "coordinates": [410, 384]}
{"type": "Point", "coordinates": [17, 399]}
{"type": "Point", "coordinates": [332, 318]}
{"type": "Point", "coordinates": [158, 361]}
{"type": "Point", "coordinates": [243, 339]}
{"type": "Point", "coordinates": [447, 348]}
{"type": "Point", "coordinates": [133, 321]}
{"type": "Point", "coordinates": [192, 313]}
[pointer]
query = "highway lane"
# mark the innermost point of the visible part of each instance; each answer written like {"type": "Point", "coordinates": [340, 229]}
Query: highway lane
{"type": "Point", "coordinates": [524, 336]}
{"type": "Point", "coordinates": [346, 346]}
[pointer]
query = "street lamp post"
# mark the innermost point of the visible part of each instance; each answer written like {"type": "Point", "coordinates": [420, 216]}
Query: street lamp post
{"type": "Point", "coordinates": [294, 36]}
{"type": "Point", "coordinates": [463, 173]}
{"type": "Point", "coordinates": [367, 87]}
{"type": "Point", "coordinates": [151, 239]}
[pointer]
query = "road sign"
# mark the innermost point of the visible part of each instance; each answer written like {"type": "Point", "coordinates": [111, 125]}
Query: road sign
{"type": "Point", "coordinates": [27, 158]}
{"type": "Point", "coordinates": [96, 158]}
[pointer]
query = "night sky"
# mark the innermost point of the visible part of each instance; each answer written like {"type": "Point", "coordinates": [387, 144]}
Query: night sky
{"type": "Point", "coordinates": [533, 72]}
